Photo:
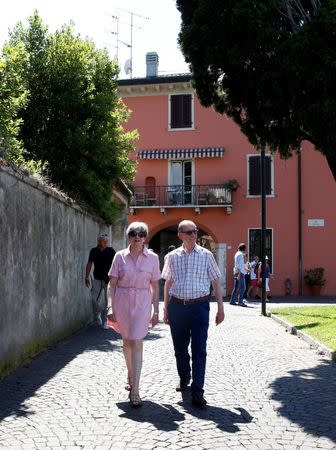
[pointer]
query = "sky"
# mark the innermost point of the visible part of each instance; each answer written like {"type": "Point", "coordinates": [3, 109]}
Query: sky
{"type": "Point", "coordinates": [156, 26]}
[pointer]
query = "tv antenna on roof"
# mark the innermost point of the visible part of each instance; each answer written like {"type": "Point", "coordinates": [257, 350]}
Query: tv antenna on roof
{"type": "Point", "coordinates": [129, 62]}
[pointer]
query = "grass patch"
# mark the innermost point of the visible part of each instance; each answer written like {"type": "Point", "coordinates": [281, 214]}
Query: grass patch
{"type": "Point", "coordinates": [319, 322]}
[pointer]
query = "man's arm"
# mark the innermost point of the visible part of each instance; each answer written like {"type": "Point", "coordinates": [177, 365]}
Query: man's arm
{"type": "Point", "coordinates": [87, 273]}
{"type": "Point", "coordinates": [219, 298]}
{"type": "Point", "coordinates": [167, 286]}
{"type": "Point", "coordinates": [240, 265]}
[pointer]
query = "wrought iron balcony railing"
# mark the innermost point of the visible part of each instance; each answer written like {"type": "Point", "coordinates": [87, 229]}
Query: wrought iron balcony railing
{"type": "Point", "coordinates": [209, 195]}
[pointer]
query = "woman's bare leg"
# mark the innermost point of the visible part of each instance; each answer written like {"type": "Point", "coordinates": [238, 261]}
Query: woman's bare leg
{"type": "Point", "coordinates": [127, 348]}
{"type": "Point", "coordinates": [136, 351]}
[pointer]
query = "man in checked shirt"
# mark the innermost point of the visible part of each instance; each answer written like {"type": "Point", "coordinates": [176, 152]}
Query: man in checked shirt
{"type": "Point", "coordinates": [188, 272]}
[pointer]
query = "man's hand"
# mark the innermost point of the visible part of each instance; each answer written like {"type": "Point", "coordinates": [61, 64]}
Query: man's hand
{"type": "Point", "coordinates": [87, 282]}
{"type": "Point", "coordinates": [220, 316]}
{"type": "Point", "coordinates": [165, 316]}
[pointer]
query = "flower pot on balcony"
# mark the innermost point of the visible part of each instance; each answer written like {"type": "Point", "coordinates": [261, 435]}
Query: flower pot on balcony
{"type": "Point", "coordinates": [315, 290]}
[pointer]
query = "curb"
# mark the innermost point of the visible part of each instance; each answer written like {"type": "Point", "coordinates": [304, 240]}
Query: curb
{"type": "Point", "coordinates": [320, 348]}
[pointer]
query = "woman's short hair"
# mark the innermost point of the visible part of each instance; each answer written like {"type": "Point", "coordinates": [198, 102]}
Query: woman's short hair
{"type": "Point", "coordinates": [137, 226]}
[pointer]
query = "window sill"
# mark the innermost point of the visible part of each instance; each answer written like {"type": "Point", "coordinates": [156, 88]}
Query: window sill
{"type": "Point", "coordinates": [258, 196]}
{"type": "Point", "coordinates": [182, 129]}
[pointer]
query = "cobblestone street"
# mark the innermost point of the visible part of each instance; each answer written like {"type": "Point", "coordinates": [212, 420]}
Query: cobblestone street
{"type": "Point", "coordinates": [265, 389]}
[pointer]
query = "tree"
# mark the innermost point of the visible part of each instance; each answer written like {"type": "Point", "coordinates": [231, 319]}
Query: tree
{"type": "Point", "coordinates": [268, 65]}
{"type": "Point", "coordinates": [72, 122]}
{"type": "Point", "coordinates": [12, 98]}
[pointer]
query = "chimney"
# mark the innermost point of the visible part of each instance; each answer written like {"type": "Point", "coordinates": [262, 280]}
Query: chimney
{"type": "Point", "coordinates": [152, 64]}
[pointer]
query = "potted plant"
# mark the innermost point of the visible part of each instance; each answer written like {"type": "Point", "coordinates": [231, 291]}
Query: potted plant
{"type": "Point", "coordinates": [314, 279]}
{"type": "Point", "coordinates": [232, 184]}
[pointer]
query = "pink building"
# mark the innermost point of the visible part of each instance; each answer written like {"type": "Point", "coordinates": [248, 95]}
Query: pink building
{"type": "Point", "coordinates": [187, 156]}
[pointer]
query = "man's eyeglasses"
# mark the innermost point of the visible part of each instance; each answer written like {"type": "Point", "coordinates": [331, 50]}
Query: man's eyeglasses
{"type": "Point", "coordinates": [190, 232]}
{"type": "Point", "coordinates": [141, 234]}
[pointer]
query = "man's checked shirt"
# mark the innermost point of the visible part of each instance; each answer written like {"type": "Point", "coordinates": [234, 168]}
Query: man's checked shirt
{"type": "Point", "coordinates": [191, 273]}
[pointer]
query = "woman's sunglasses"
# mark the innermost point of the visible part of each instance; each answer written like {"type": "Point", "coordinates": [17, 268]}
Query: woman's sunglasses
{"type": "Point", "coordinates": [141, 234]}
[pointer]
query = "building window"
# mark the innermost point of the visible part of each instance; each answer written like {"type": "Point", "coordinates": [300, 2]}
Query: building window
{"type": "Point", "coordinates": [181, 176]}
{"type": "Point", "coordinates": [255, 244]}
{"type": "Point", "coordinates": [181, 111]}
{"type": "Point", "coordinates": [253, 175]}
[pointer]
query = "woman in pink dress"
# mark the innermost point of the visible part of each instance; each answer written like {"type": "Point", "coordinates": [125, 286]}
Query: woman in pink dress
{"type": "Point", "coordinates": [132, 293]}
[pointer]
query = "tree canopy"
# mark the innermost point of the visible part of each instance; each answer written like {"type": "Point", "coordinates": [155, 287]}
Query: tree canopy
{"type": "Point", "coordinates": [70, 119]}
{"type": "Point", "coordinates": [270, 66]}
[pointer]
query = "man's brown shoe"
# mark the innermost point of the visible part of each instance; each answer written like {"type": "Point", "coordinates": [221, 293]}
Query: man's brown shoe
{"type": "Point", "coordinates": [182, 386]}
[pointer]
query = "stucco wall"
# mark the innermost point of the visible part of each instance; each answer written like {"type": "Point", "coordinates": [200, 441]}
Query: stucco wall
{"type": "Point", "coordinates": [44, 246]}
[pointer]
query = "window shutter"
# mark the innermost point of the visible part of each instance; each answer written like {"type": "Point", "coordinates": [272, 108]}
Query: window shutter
{"type": "Point", "coordinates": [254, 175]}
{"type": "Point", "coordinates": [180, 111]}
{"type": "Point", "coordinates": [186, 111]}
{"type": "Point", "coordinates": [268, 164]}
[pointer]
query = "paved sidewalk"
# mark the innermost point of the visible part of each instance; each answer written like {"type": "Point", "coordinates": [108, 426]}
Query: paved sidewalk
{"type": "Point", "coordinates": [266, 390]}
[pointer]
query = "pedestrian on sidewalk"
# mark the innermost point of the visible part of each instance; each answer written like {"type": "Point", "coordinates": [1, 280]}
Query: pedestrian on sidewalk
{"type": "Point", "coordinates": [253, 290]}
{"type": "Point", "coordinates": [101, 258]}
{"type": "Point", "coordinates": [188, 272]}
{"type": "Point", "coordinates": [247, 276]}
{"type": "Point", "coordinates": [133, 292]}
{"type": "Point", "coordinates": [267, 277]}
{"type": "Point", "coordinates": [239, 277]}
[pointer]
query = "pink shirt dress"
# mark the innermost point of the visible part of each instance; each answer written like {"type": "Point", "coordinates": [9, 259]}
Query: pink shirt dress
{"type": "Point", "coordinates": [132, 304]}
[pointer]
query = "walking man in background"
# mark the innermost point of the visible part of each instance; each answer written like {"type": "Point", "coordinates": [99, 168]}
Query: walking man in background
{"type": "Point", "coordinates": [188, 272]}
{"type": "Point", "coordinates": [101, 258]}
{"type": "Point", "coordinates": [239, 277]}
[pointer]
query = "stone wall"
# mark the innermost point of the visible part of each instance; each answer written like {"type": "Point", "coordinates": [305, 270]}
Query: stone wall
{"type": "Point", "coordinates": [44, 246]}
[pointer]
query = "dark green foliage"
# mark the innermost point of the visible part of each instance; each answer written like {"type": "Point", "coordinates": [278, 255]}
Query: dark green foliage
{"type": "Point", "coordinates": [12, 98]}
{"type": "Point", "coordinates": [314, 277]}
{"type": "Point", "coordinates": [72, 121]}
{"type": "Point", "coordinates": [271, 71]}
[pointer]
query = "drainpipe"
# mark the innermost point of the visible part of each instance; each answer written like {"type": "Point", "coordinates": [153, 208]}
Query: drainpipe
{"type": "Point", "coordinates": [263, 229]}
{"type": "Point", "coordinates": [300, 221]}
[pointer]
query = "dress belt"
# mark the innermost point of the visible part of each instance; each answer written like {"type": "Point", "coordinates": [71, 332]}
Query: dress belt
{"type": "Point", "coordinates": [192, 301]}
{"type": "Point", "coordinates": [132, 287]}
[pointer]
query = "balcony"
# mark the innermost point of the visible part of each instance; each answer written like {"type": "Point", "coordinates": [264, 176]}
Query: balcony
{"type": "Point", "coordinates": [181, 196]}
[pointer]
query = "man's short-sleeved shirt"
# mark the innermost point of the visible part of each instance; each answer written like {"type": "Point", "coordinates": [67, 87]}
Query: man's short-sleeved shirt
{"type": "Point", "coordinates": [102, 260]}
{"type": "Point", "coordinates": [190, 273]}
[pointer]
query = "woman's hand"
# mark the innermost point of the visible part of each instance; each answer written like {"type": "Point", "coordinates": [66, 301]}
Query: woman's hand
{"type": "Point", "coordinates": [155, 319]}
{"type": "Point", "coordinates": [111, 317]}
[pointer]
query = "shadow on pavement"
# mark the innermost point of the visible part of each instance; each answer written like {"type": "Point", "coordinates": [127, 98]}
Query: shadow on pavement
{"type": "Point", "coordinates": [26, 380]}
{"type": "Point", "coordinates": [164, 417]}
{"type": "Point", "coordinates": [308, 398]}
{"type": "Point", "coordinates": [225, 419]}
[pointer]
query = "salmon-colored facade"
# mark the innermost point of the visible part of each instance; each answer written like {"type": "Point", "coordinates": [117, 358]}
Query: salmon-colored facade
{"type": "Point", "coordinates": [229, 220]}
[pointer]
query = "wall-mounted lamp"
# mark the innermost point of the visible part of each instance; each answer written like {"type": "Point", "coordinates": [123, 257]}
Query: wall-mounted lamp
{"type": "Point", "coordinates": [132, 211]}
{"type": "Point", "coordinates": [198, 210]}
{"type": "Point", "coordinates": [163, 211]}
{"type": "Point", "coordinates": [229, 210]}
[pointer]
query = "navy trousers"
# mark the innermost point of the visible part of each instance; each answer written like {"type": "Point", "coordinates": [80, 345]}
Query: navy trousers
{"type": "Point", "coordinates": [190, 323]}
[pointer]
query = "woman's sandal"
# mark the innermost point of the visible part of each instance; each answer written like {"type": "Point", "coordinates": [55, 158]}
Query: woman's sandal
{"type": "Point", "coordinates": [135, 400]}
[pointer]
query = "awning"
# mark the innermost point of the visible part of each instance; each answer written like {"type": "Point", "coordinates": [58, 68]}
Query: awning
{"type": "Point", "coordinates": [182, 153]}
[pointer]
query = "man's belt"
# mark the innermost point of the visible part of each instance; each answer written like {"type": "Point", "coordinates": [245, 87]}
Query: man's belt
{"type": "Point", "coordinates": [192, 301]}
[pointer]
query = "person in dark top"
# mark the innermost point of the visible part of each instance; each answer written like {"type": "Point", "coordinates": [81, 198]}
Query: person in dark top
{"type": "Point", "coordinates": [101, 258]}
